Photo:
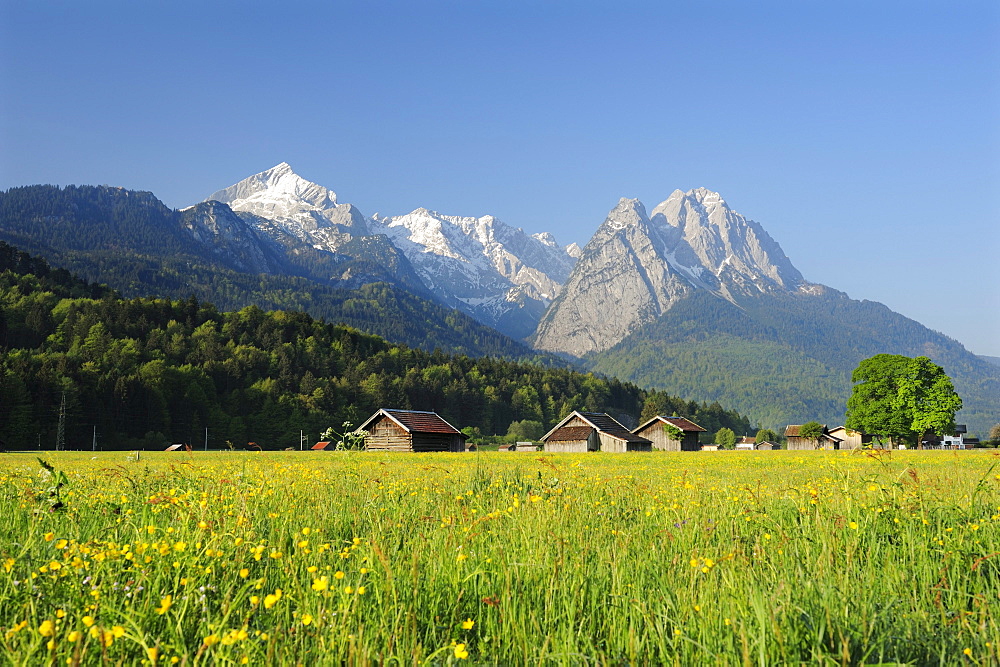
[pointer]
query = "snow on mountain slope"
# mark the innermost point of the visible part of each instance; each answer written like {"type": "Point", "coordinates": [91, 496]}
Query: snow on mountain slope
{"type": "Point", "coordinates": [304, 209]}
{"type": "Point", "coordinates": [482, 265]}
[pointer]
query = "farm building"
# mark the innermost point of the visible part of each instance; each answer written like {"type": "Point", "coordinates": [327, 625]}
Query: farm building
{"type": "Point", "coordinates": [593, 432]}
{"type": "Point", "coordinates": [411, 431]}
{"type": "Point", "coordinates": [851, 439]}
{"type": "Point", "coordinates": [796, 441]}
{"type": "Point", "coordinates": [746, 443]}
{"type": "Point", "coordinates": [653, 430]}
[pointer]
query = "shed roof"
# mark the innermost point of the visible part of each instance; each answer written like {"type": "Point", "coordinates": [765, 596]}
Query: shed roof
{"type": "Point", "coordinates": [415, 421]}
{"type": "Point", "coordinates": [321, 445]}
{"type": "Point", "coordinates": [602, 421]}
{"type": "Point", "coordinates": [683, 424]}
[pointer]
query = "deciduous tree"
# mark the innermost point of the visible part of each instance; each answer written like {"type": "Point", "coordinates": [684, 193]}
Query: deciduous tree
{"type": "Point", "coordinates": [902, 398]}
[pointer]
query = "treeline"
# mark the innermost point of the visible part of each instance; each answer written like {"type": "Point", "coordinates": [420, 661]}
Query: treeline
{"type": "Point", "coordinates": [143, 372]}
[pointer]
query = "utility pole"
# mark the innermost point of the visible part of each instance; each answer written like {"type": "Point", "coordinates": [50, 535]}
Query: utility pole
{"type": "Point", "coordinates": [93, 447]}
{"type": "Point", "coordinates": [206, 438]}
{"type": "Point", "coordinates": [302, 440]}
{"type": "Point", "coordinates": [61, 431]}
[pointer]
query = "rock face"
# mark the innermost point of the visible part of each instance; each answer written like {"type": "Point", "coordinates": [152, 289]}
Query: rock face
{"type": "Point", "coordinates": [735, 249]}
{"type": "Point", "coordinates": [636, 267]}
{"type": "Point", "coordinates": [231, 238]}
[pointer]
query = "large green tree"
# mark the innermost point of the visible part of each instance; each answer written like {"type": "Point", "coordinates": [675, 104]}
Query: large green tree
{"type": "Point", "coordinates": [902, 398]}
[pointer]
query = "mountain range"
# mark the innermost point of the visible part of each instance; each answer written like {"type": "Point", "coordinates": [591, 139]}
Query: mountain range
{"type": "Point", "coordinates": [691, 297]}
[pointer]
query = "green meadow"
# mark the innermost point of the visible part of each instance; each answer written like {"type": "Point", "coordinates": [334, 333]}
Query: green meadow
{"type": "Point", "coordinates": [500, 558]}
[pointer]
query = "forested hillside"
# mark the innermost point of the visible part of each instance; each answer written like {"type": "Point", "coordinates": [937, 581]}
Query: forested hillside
{"type": "Point", "coordinates": [145, 371]}
{"type": "Point", "coordinates": [133, 243]}
{"type": "Point", "coordinates": [788, 358]}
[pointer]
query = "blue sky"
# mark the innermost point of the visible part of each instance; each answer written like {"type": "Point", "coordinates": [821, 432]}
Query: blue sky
{"type": "Point", "coordinates": [865, 137]}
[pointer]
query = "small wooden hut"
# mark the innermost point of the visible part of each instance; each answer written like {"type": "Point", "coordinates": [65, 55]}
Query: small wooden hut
{"type": "Point", "coordinates": [411, 431]}
{"type": "Point", "coordinates": [796, 441]}
{"type": "Point", "coordinates": [593, 432]}
{"type": "Point", "coordinates": [653, 430]}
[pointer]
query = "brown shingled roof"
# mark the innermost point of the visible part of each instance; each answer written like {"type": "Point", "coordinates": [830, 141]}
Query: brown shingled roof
{"type": "Point", "coordinates": [567, 433]}
{"type": "Point", "coordinates": [416, 421]}
{"type": "Point", "coordinates": [603, 422]}
{"type": "Point", "coordinates": [683, 424]}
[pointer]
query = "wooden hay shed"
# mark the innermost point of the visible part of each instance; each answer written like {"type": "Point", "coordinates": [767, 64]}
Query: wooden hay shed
{"type": "Point", "coordinates": [796, 441]}
{"type": "Point", "coordinates": [653, 431]}
{"type": "Point", "coordinates": [593, 432]}
{"type": "Point", "coordinates": [411, 431]}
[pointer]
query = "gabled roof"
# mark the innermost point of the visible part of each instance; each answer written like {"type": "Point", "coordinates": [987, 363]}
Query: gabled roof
{"type": "Point", "coordinates": [746, 440]}
{"type": "Point", "coordinates": [683, 424]}
{"type": "Point", "coordinates": [415, 421]}
{"type": "Point", "coordinates": [792, 431]}
{"type": "Point", "coordinates": [602, 421]}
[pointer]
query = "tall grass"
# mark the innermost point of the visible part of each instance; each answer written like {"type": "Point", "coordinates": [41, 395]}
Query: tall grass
{"type": "Point", "coordinates": [754, 558]}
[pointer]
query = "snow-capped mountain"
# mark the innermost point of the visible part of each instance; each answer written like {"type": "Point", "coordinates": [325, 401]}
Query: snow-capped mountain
{"type": "Point", "coordinates": [481, 265]}
{"type": "Point", "coordinates": [636, 267]}
{"type": "Point", "coordinates": [307, 211]}
{"type": "Point", "coordinates": [500, 275]}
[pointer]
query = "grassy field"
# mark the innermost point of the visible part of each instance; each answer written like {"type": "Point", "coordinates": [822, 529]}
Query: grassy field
{"type": "Point", "coordinates": [688, 558]}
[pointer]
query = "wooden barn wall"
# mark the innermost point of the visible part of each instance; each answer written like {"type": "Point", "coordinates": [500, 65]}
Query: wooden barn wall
{"type": "Point", "coordinates": [387, 435]}
{"type": "Point", "coordinates": [573, 446]}
{"type": "Point", "coordinates": [435, 442]}
{"type": "Point", "coordinates": [661, 440]}
{"type": "Point", "coordinates": [690, 443]}
{"type": "Point", "coordinates": [796, 442]}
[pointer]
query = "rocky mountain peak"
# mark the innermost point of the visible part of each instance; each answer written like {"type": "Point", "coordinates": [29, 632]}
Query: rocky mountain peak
{"type": "Point", "coordinates": [725, 242]}
{"type": "Point", "coordinates": [635, 268]}
{"type": "Point", "coordinates": [628, 212]}
{"type": "Point", "coordinates": [302, 208]}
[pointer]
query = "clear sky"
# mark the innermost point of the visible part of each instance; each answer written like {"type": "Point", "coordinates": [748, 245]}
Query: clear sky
{"type": "Point", "coordinates": [864, 136]}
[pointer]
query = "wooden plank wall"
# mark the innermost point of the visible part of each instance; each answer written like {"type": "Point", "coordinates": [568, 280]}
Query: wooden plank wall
{"type": "Point", "coordinates": [386, 435]}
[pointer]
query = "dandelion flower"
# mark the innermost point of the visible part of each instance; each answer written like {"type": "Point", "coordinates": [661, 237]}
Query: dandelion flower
{"type": "Point", "coordinates": [460, 652]}
{"type": "Point", "coordinates": [467, 624]}
{"type": "Point", "coordinates": [47, 628]}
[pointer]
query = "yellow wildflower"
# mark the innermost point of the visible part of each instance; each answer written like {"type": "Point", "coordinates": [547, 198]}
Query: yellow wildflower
{"type": "Point", "coordinates": [467, 624]}
{"type": "Point", "coordinates": [165, 604]}
{"type": "Point", "coordinates": [460, 652]}
{"type": "Point", "coordinates": [272, 599]}
{"type": "Point", "coordinates": [47, 628]}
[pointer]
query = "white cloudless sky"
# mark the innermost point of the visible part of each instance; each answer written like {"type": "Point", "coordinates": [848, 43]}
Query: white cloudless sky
{"type": "Point", "coordinates": [865, 137]}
